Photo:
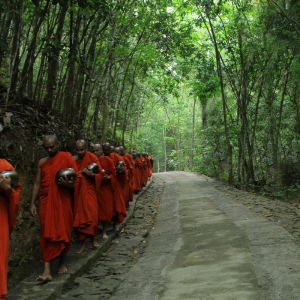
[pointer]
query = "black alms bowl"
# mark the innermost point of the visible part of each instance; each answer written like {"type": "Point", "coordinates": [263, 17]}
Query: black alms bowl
{"type": "Point", "coordinates": [93, 167]}
{"type": "Point", "coordinates": [120, 167]}
{"type": "Point", "coordinates": [13, 176]}
{"type": "Point", "coordinates": [104, 171]}
{"type": "Point", "coordinates": [120, 164]}
{"type": "Point", "coordinates": [70, 173]}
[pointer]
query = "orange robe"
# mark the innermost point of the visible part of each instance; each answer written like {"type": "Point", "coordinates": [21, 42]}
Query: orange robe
{"type": "Point", "coordinates": [151, 166]}
{"type": "Point", "coordinates": [56, 203]}
{"type": "Point", "coordinates": [105, 196]}
{"type": "Point", "coordinates": [86, 207]}
{"type": "Point", "coordinates": [137, 177]}
{"type": "Point", "coordinates": [128, 193]}
{"type": "Point", "coordinates": [120, 205]}
{"type": "Point", "coordinates": [145, 170]}
{"type": "Point", "coordinates": [130, 175]}
{"type": "Point", "coordinates": [142, 170]}
{"type": "Point", "coordinates": [9, 205]}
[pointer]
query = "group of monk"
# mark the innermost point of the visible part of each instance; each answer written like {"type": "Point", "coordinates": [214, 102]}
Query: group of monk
{"type": "Point", "coordinates": [84, 202]}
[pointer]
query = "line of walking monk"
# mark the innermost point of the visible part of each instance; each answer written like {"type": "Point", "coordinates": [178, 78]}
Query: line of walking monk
{"type": "Point", "coordinates": [67, 203]}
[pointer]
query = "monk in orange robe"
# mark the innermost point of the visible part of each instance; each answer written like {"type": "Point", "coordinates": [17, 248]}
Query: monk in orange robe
{"type": "Point", "coordinates": [56, 203]}
{"type": "Point", "coordinates": [129, 164]}
{"type": "Point", "coordinates": [86, 208]}
{"type": "Point", "coordinates": [126, 189]}
{"type": "Point", "coordinates": [106, 209]}
{"type": "Point", "coordinates": [151, 165]}
{"type": "Point", "coordinates": [145, 156]}
{"type": "Point", "coordinates": [142, 169]}
{"type": "Point", "coordinates": [9, 205]}
{"type": "Point", "coordinates": [120, 206]}
{"type": "Point", "coordinates": [137, 175]}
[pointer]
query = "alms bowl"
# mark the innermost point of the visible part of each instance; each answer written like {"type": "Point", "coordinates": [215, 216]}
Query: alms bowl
{"type": "Point", "coordinates": [120, 167]}
{"type": "Point", "coordinates": [120, 164]}
{"type": "Point", "coordinates": [13, 176]}
{"type": "Point", "coordinates": [69, 172]}
{"type": "Point", "coordinates": [93, 167]}
{"type": "Point", "coordinates": [104, 171]}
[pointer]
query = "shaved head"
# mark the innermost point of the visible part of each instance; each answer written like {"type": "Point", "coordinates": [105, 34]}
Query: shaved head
{"type": "Point", "coordinates": [122, 151]}
{"type": "Point", "coordinates": [97, 150]}
{"type": "Point", "coordinates": [51, 144]}
{"type": "Point", "coordinates": [50, 137]}
{"type": "Point", "coordinates": [107, 149]}
{"type": "Point", "coordinates": [117, 150]}
{"type": "Point", "coordinates": [82, 143]}
{"type": "Point", "coordinates": [81, 147]}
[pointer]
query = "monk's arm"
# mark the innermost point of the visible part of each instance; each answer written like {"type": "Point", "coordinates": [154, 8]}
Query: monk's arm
{"type": "Point", "coordinates": [36, 188]}
{"type": "Point", "coordinates": [5, 185]}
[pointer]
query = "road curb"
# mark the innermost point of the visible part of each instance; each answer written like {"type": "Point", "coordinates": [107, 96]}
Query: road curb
{"type": "Point", "coordinates": [77, 265]}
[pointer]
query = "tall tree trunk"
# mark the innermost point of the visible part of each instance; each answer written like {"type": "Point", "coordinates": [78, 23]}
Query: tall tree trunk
{"type": "Point", "coordinates": [15, 59]}
{"type": "Point", "coordinates": [193, 135]}
{"type": "Point", "coordinates": [165, 141]}
{"type": "Point", "coordinates": [69, 99]}
{"type": "Point", "coordinates": [29, 61]}
{"type": "Point", "coordinates": [54, 57]}
{"type": "Point", "coordinates": [204, 121]}
{"type": "Point", "coordinates": [219, 67]}
{"type": "Point", "coordinates": [5, 25]}
{"type": "Point", "coordinates": [106, 103]}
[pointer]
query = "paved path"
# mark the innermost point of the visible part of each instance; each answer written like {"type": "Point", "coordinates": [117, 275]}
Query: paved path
{"type": "Point", "coordinates": [205, 245]}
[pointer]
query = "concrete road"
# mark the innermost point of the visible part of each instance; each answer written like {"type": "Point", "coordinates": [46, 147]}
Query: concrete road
{"type": "Point", "coordinates": [206, 246]}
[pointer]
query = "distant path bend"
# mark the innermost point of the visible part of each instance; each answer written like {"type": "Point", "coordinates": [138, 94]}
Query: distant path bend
{"type": "Point", "coordinates": [205, 245]}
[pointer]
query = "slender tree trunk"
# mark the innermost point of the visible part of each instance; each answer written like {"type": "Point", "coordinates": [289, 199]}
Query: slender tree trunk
{"type": "Point", "coordinates": [5, 25]}
{"type": "Point", "coordinates": [106, 103]}
{"type": "Point", "coordinates": [165, 141]}
{"type": "Point", "coordinates": [193, 135]}
{"type": "Point", "coordinates": [69, 99]}
{"type": "Point", "coordinates": [204, 121]}
{"type": "Point", "coordinates": [15, 51]}
{"type": "Point", "coordinates": [29, 61]}
{"type": "Point", "coordinates": [54, 57]}
{"type": "Point", "coordinates": [219, 67]}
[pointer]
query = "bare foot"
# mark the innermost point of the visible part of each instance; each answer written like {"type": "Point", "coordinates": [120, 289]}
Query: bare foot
{"type": "Point", "coordinates": [44, 278]}
{"type": "Point", "coordinates": [95, 244]}
{"type": "Point", "coordinates": [105, 236]}
{"type": "Point", "coordinates": [62, 269]}
{"type": "Point", "coordinates": [82, 249]}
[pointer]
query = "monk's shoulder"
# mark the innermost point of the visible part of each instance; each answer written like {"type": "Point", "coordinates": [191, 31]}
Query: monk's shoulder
{"type": "Point", "coordinates": [93, 156]}
{"type": "Point", "coordinates": [5, 165]}
{"type": "Point", "coordinates": [41, 161]}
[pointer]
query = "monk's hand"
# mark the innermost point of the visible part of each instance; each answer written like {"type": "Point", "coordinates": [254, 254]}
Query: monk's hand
{"type": "Point", "coordinates": [106, 177]}
{"type": "Point", "coordinates": [64, 181]}
{"type": "Point", "coordinates": [33, 210]}
{"type": "Point", "coordinates": [88, 173]}
{"type": "Point", "coordinates": [5, 184]}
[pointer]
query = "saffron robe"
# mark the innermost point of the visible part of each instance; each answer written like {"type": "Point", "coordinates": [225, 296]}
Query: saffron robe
{"type": "Point", "coordinates": [145, 165]}
{"type": "Point", "coordinates": [142, 170]}
{"type": "Point", "coordinates": [9, 205]}
{"type": "Point", "coordinates": [130, 167]}
{"type": "Point", "coordinates": [106, 207]}
{"type": "Point", "coordinates": [56, 203]}
{"type": "Point", "coordinates": [137, 177]}
{"type": "Point", "coordinates": [120, 206]}
{"type": "Point", "coordinates": [151, 166]}
{"type": "Point", "coordinates": [147, 159]}
{"type": "Point", "coordinates": [86, 207]}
